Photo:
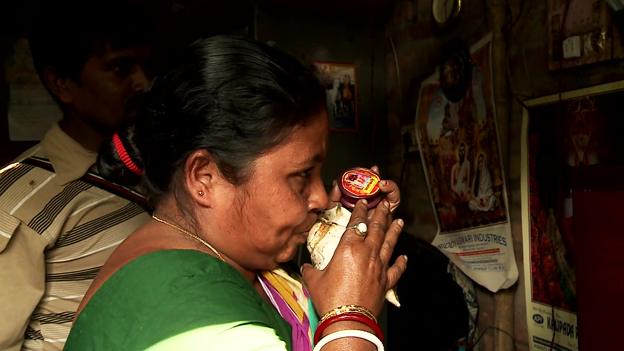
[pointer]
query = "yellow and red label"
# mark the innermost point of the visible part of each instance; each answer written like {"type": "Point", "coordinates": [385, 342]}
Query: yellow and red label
{"type": "Point", "coordinates": [360, 182]}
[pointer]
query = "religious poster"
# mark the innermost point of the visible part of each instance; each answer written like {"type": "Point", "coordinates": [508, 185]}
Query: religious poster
{"type": "Point", "coordinates": [31, 108]}
{"type": "Point", "coordinates": [341, 94]}
{"type": "Point", "coordinates": [564, 135]}
{"type": "Point", "coordinates": [458, 140]}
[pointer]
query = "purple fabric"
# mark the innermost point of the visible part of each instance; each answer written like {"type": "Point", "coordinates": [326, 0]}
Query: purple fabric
{"type": "Point", "coordinates": [300, 338]}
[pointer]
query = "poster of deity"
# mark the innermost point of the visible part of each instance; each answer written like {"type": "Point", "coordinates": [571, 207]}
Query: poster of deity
{"type": "Point", "coordinates": [340, 84]}
{"type": "Point", "coordinates": [458, 140]}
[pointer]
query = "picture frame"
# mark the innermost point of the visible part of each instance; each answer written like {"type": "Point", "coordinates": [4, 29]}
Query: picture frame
{"type": "Point", "coordinates": [565, 136]}
{"type": "Point", "coordinates": [341, 92]}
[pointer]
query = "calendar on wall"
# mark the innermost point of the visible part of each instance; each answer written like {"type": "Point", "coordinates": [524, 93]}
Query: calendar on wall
{"type": "Point", "coordinates": [581, 32]}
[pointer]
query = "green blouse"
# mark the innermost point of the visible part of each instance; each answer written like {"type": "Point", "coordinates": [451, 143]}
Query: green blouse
{"type": "Point", "coordinates": [177, 300]}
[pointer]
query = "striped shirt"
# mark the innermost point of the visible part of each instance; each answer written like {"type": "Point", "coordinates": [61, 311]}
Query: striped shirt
{"type": "Point", "coordinates": [56, 231]}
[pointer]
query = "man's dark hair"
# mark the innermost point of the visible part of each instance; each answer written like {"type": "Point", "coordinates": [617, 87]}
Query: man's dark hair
{"type": "Point", "coordinates": [66, 33]}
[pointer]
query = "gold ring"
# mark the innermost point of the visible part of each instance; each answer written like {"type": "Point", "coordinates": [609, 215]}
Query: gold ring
{"type": "Point", "coordinates": [360, 228]}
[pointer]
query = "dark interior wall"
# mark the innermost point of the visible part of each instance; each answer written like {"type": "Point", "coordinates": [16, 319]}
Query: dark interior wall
{"type": "Point", "coordinates": [418, 42]}
{"type": "Point", "coordinates": [313, 36]}
{"type": "Point", "coordinates": [13, 21]}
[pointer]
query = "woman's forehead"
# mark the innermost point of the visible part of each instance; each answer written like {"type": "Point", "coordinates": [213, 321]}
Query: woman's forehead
{"type": "Point", "coordinates": [306, 143]}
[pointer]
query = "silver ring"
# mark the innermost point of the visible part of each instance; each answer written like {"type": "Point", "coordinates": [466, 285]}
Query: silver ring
{"type": "Point", "coordinates": [360, 228]}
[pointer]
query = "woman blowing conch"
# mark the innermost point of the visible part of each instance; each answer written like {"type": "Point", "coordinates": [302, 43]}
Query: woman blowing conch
{"type": "Point", "coordinates": [229, 146]}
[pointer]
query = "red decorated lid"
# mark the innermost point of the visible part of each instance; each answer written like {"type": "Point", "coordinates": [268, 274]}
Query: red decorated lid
{"type": "Point", "coordinates": [360, 183]}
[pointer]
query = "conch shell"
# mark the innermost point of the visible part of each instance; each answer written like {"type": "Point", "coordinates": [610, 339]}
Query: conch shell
{"type": "Point", "coordinates": [323, 239]}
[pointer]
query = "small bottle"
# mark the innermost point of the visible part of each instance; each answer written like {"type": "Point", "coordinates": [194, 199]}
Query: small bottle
{"type": "Point", "coordinates": [359, 183]}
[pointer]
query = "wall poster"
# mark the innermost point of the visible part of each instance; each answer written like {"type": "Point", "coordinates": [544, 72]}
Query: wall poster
{"type": "Point", "coordinates": [456, 131]}
{"type": "Point", "coordinates": [340, 84]}
{"type": "Point", "coordinates": [562, 135]}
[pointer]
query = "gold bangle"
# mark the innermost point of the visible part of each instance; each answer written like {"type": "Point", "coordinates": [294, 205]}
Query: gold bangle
{"type": "Point", "coordinates": [348, 309]}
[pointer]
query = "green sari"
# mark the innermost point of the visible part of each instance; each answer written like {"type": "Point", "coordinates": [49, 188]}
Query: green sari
{"type": "Point", "coordinates": [176, 300]}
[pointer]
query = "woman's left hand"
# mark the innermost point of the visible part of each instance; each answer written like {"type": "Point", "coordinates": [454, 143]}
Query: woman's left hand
{"type": "Point", "coordinates": [390, 189]}
{"type": "Point", "coordinates": [360, 271]}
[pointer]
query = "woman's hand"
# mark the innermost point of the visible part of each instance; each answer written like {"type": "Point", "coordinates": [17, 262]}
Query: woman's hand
{"type": "Point", "coordinates": [359, 272]}
{"type": "Point", "coordinates": [389, 188]}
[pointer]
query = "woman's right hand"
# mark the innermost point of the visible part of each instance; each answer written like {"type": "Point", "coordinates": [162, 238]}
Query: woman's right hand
{"type": "Point", "coordinates": [359, 272]}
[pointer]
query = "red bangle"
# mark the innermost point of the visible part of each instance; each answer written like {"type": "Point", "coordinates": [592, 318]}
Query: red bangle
{"type": "Point", "coordinates": [351, 317]}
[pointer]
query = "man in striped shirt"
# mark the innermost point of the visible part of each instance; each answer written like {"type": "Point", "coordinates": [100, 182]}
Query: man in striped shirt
{"type": "Point", "coordinates": [56, 227]}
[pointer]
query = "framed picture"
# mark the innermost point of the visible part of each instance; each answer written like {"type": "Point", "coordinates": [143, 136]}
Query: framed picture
{"type": "Point", "coordinates": [339, 80]}
{"type": "Point", "coordinates": [566, 136]}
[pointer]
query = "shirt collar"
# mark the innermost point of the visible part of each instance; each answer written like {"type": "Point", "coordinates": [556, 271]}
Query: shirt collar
{"type": "Point", "coordinates": [69, 159]}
